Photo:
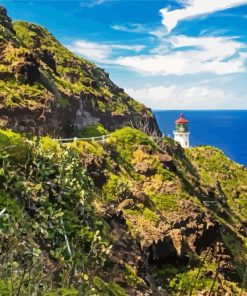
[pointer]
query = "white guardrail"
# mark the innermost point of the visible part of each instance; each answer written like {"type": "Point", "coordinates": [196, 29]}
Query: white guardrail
{"type": "Point", "coordinates": [100, 139]}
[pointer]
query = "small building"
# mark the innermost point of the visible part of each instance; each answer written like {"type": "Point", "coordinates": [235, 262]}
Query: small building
{"type": "Point", "coordinates": [181, 134]}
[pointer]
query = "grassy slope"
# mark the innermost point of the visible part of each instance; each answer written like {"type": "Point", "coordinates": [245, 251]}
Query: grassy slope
{"type": "Point", "coordinates": [48, 189]}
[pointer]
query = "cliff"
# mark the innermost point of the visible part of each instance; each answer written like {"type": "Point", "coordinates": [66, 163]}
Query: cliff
{"type": "Point", "coordinates": [127, 217]}
{"type": "Point", "coordinates": [46, 89]}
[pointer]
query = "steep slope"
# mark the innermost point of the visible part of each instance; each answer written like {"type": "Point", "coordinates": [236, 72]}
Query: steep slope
{"type": "Point", "coordinates": [128, 217]}
{"type": "Point", "coordinates": [46, 89]}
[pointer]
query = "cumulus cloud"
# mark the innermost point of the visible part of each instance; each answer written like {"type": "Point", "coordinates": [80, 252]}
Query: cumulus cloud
{"type": "Point", "coordinates": [189, 55]}
{"type": "Point", "coordinates": [195, 8]}
{"type": "Point", "coordinates": [180, 97]}
{"type": "Point", "coordinates": [99, 51]}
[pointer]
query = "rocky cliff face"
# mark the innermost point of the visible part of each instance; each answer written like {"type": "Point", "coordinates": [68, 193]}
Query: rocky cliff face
{"type": "Point", "coordinates": [46, 89]}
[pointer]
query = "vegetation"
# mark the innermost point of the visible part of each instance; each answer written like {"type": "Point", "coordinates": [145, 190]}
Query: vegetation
{"type": "Point", "coordinates": [48, 218]}
{"type": "Point", "coordinates": [126, 140]}
{"type": "Point", "coordinates": [116, 188]}
{"type": "Point", "coordinates": [94, 130]}
{"type": "Point", "coordinates": [55, 237]}
{"type": "Point", "coordinates": [228, 178]}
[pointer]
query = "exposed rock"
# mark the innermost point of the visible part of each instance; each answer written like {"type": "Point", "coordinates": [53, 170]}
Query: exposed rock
{"type": "Point", "coordinates": [95, 166]}
{"type": "Point", "coordinates": [84, 118]}
{"type": "Point", "coordinates": [145, 168]}
{"type": "Point", "coordinates": [190, 233]}
{"type": "Point", "coordinates": [5, 21]}
{"type": "Point", "coordinates": [127, 203]}
{"type": "Point", "coordinates": [48, 58]}
{"type": "Point", "coordinates": [27, 70]}
{"type": "Point", "coordinates": [139, 194]}
{"type": "Point", "coordinates": [167, 161]}
{"type": "Point", "coordinates": [219, 253]}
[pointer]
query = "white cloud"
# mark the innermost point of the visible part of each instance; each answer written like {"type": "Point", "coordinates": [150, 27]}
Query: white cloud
{"type": "Point", "coordinates": [90, 49]}
{"type": "Point", "coordinates": [218, 55]}
{"type": "Point", "coordinates": [98, 51]}
{"type": "Point", "coordinates": [195, 8]}
{"type": "Point", "coordinates": [187, 98]}
{"type": "Point", "coordinates": [158, 32]}
{"type": "Point", "coordinates": [136, 48]}
{"type": "Point", "coordinates": [130, 28]}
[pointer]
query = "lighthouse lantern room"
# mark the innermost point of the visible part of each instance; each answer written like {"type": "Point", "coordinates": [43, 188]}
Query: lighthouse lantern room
{"type": "Point", "coordinates": [181, 134]}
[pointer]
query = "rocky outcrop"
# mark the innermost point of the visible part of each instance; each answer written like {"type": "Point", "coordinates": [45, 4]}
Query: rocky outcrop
{"type": "Point", "coordinates": [192, 232]}
{"type": "Point", "coordinates": [47, 57]}
{"type": "Point", "coordinates": [5, 21]}
{"type": "Point", "coordinates": [27, 70]}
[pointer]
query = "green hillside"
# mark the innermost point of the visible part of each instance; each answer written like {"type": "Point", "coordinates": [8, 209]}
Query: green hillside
{"type": "Point", "coordinates": [127, 217]}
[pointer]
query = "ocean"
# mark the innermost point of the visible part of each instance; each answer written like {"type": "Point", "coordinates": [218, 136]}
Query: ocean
{"type": "Point", "coordinates": [226, 130]}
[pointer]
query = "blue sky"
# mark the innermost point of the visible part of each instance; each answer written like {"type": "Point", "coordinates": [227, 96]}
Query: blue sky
{"type": "Point", "coordinates": [184, 54]}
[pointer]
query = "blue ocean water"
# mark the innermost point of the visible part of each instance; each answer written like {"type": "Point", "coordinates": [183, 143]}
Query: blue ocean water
{"type": "Point", "coordinates": [226, 130]}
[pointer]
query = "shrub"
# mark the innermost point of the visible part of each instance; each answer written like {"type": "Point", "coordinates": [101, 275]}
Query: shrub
{"type": "Point", "coordinates": [14, 144]}
{"type": "Point", "coordinates": [150, 215]}
{"type": "Point", "coordinates": [116, 188]}
{"type": "Point", "coordinates": [94, 130]}
{"type": "Point", "coordinates": [164, 201]}
{"type": "Point", "coordinates": [184, 282]}
{"type": "Point", "coordinates": [131, 277]}
{"type": "Point", "coordinates": [50, 147]}
{"type": "Point", "coordinates": [125, 141]}
{"type": "Point", "coordinates": [84, 147]}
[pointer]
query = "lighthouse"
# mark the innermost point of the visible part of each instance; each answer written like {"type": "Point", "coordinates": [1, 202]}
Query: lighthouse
{"type": "Point", "coordinates": [181, 134]}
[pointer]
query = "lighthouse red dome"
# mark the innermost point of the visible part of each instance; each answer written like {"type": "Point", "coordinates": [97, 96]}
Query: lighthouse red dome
{"type": "Point", "coordinates": [182, 120]}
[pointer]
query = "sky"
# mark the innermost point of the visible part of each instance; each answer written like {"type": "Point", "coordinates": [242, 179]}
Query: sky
{"type": "Point", "coordinates": [171, 55]}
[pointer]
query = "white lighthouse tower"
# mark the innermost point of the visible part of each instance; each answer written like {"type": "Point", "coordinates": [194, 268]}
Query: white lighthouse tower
{"type": "Point", "coordinates": [181, 134]}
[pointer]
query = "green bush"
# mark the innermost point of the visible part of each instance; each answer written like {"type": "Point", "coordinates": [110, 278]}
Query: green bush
{"type": "Point", "coordinates": [126, 140]}
{"type": "Point", "coordinates": [131, 276]}
{"type": "Point", "coordinates": [164, 201]}
{"type": "Point", "coordinates": [14, 144]}
{"type": "Point", "coordinates": [184, 282]}
{"type": "Point", "coordinates": [116, 188]}
{"type": "Point", "coordinates": [150, 215]}
{"type": "Point", "coordinates": [94, 130]}
{"type": "Point", "coordinates": [50, 147]}
{"type": "Point", "coordinates": [84, 147]}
